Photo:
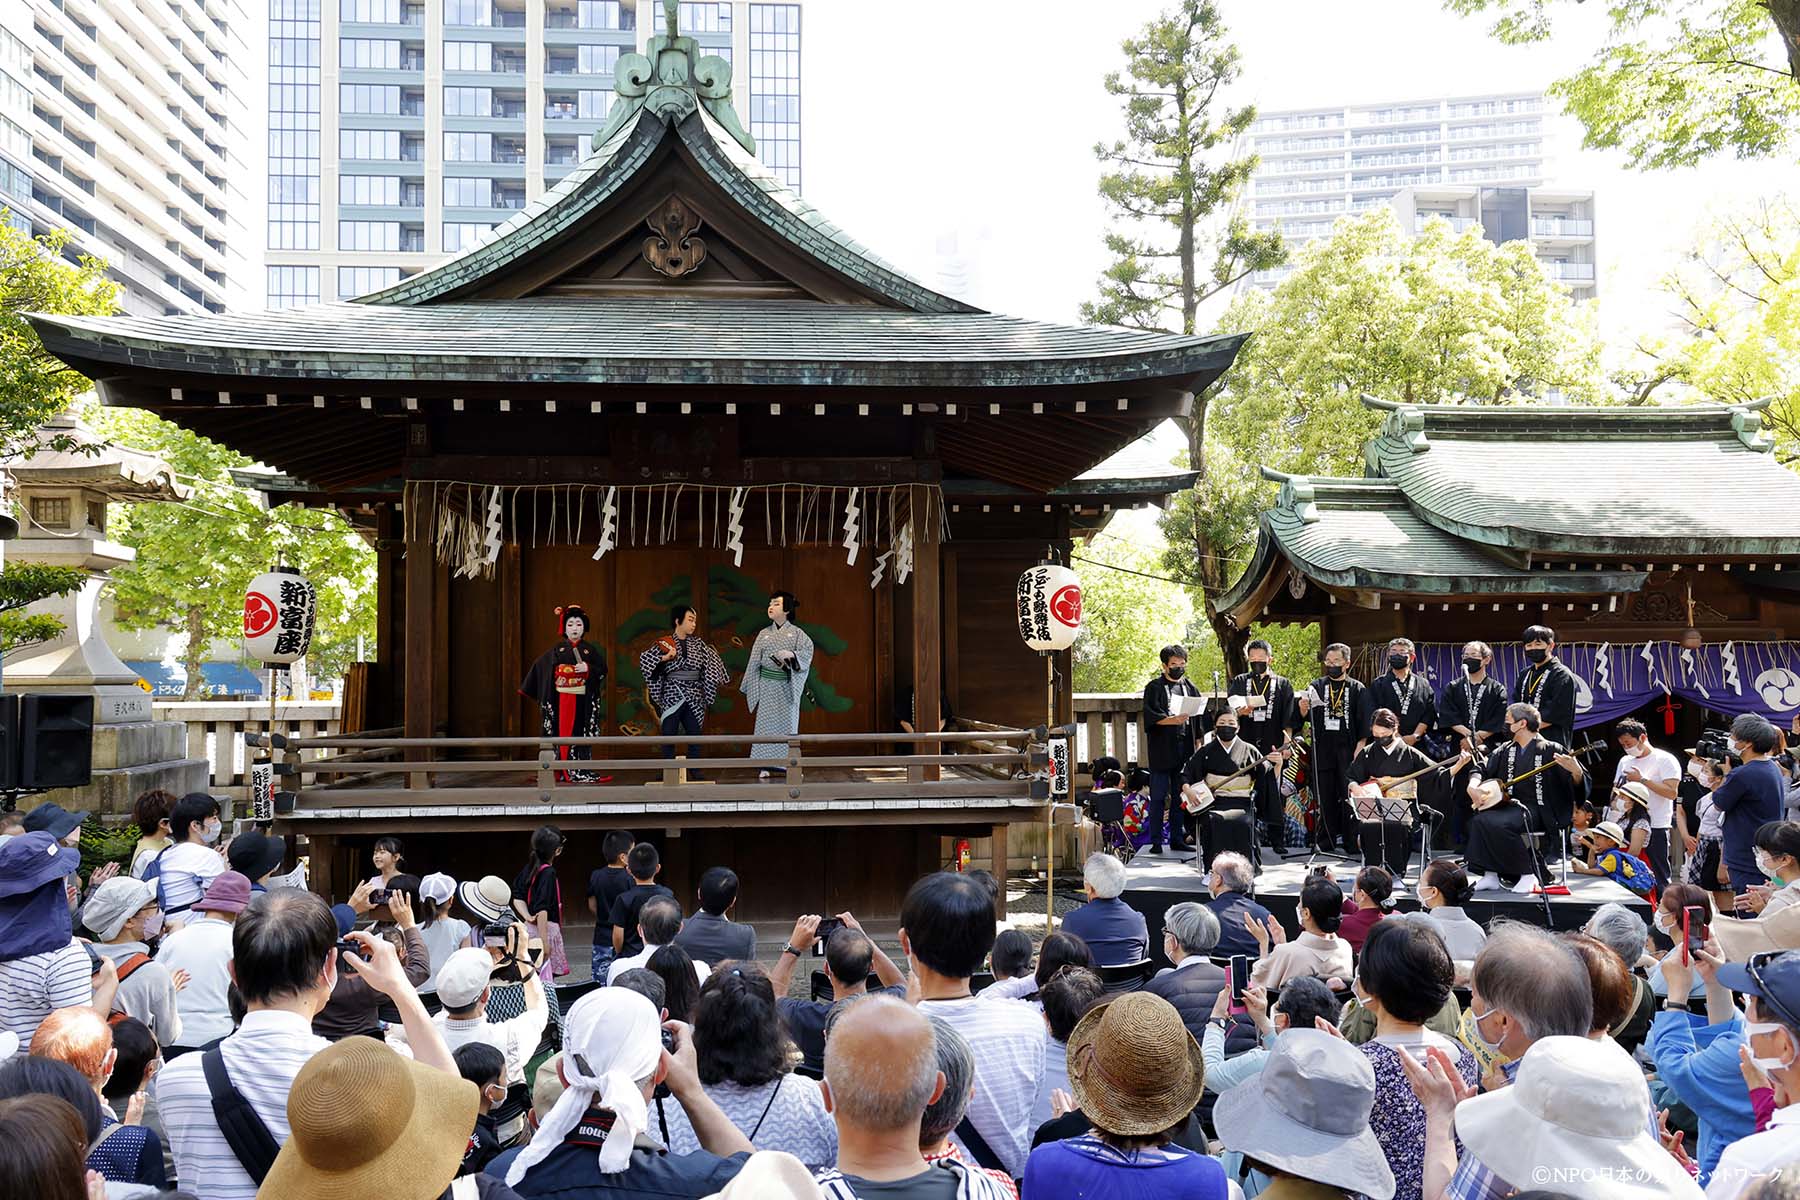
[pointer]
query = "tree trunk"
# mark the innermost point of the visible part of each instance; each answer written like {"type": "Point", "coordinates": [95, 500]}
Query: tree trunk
{"type": "Point", "coordinates": [1208, 563]}
{"type": "Point", "coordinates": [195, 652]}
{"type": "Point", "coordinates": [1786, 15]}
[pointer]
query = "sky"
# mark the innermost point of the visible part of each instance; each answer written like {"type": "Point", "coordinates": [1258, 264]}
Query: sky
{"type": "Point", "coordinates": [966, 127]}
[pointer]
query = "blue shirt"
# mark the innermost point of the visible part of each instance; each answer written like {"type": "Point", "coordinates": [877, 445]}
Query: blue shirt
{"type": "Point", "coordinates": [1086, 1167]}
{"type": "Point", "coordinates": [1112, 929]}
{"type": "Point", "coordinates": [1233, 937]}
{"type": "Point", "coordinates": [1750, 797]}
{"type": "Point", "coordinates": [1699, 1063]}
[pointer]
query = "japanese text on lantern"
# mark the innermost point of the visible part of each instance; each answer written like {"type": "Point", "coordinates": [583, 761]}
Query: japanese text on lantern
{"type": "Point", "coordinates": [297, 600]}
{"type": "Point", "coordinates": [1034, 605]}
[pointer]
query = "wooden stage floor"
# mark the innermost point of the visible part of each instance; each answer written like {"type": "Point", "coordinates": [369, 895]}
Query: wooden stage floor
{"type": "Point", "coordinates": [1154, 884]}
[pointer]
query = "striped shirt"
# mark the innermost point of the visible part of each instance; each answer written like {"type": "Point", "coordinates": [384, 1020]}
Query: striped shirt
{"type": "Point", "coordinates": [262, 1059]}
{"type": "Point", "coordinates": [971, 1183]}
{"type": "Point", "coordinates": [31, 986]}
{"type": "Point", "coordinates": [1008, 1038]}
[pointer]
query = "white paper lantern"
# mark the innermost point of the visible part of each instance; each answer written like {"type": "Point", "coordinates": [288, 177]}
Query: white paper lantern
{"type": "Point", "coordinates": [279, 608]}
{"type": "Point", "coordinates": [1049, 598]}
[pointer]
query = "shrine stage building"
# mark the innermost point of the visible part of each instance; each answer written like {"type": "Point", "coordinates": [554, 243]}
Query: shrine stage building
{"type": "Point", "coordinates": [668, 381]}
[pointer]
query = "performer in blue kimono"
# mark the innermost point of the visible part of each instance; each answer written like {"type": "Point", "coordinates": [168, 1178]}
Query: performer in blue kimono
{"type": "Point", "coordinates": [682, 674]}
{"type": "Point", "coordinates": [775, 677]}
{"type": "Point", "coordinates": [569, 683]}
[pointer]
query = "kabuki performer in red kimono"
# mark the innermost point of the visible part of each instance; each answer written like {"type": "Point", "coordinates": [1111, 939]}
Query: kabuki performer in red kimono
{"type": "Point", "coordinates": [568, 681]}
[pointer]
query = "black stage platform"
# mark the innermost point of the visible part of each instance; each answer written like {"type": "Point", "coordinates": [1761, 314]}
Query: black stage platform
{"type": "Point", "coordinates": [1153, 884]}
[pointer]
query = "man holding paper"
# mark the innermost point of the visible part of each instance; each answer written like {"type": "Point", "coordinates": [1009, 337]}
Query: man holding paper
{"type": "Point", "coordinates": [1172, 706]}
{"type": "Point", "coordinates": [1338, 707]}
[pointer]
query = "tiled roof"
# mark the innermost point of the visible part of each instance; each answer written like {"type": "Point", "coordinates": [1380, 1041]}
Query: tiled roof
{"type": "Point", "coordinates": [620, 340]}
{"type": "Point", "coordinates": [1659, 482]}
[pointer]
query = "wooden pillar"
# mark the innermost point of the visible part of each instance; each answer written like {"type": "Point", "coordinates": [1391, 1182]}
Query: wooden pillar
{"type": "Point", "coordinates": [508, 636]}
{"type": "Point", "coordinates": [383, 708]}
{"type": "Point", "coordinates": [927, 621]}
{"type": "Point", "coordinates": [998, 864]}
{"type": "Point", "coordinates": [421, 614]}
{"type": "Point", "coordinates": [321, 849]}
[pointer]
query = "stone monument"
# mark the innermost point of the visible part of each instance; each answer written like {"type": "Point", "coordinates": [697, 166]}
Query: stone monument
{"type": "Point", "coordinates": [60, 500]}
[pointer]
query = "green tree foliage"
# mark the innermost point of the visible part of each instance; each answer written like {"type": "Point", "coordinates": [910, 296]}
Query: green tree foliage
{"type": "Point", "coordinates": [1736, 299]}
{"type": "Point", "coordinates": [1172, 172]}
{"type": "Point", "coordinates": [22, 584]}
{"type": "Point", "coordinates": [35, 385]}
{"type": "Point", "coordinates": [1676, 81]}
{"type": "Point", "coordinates": [1436, 318]}
{"type": "Point", "coordinates": [1127, 614]}
{"type": "Point", "coordinates": [195, 558]}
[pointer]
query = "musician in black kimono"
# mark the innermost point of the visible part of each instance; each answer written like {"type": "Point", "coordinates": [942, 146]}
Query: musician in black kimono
{"type": "Point", "coordinates": [1556, 779]}
{"type": "Point", "coordinates": [1225, 768]}
{"type": "Point", "coordinates": [1267, 720]}
{"type": "Point", "coordinates": [1500, 851]}
{"type": "Point", "coordinates": [1379, 797]}
{"type": "Point", "coordinates": [1338, 708]}
{"type": "Point", "coordinates": [1547, 685]}
{"type": "Point", "coordinates": [1472, 709]}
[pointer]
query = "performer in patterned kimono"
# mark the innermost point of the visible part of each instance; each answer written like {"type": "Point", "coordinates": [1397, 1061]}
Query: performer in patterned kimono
{"type": "Point", "coordinates": [568, 681]}
{"type": "Point", "coordinates": [682, 674]}
{"type": "Point", "coordinates": [775, 677]}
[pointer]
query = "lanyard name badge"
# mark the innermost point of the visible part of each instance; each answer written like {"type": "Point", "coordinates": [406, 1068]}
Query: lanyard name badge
{"type": "Point", "coordinates": [1260, 712]}
{"type": "Point", "coordinates": [1334, 707]}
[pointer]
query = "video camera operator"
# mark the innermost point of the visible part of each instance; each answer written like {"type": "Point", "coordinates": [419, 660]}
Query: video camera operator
{"type": "Point", "coordinates": [1750, 796]}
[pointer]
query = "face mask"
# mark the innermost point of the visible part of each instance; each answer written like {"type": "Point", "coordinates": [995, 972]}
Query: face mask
{"type": "Point", "coordinates": [153, 924]}
{"type": "Point", "coordinates": [209, 833]}
{"type": "Point", "coordinates": [1362, 997]}
{"type": "Point", "coordinates": [1767, 866]}
{"type": "Point", "coordinates": [1175, 672]}
{"type": "Point", "coordinates": [1640, 750]}
{"type": "Point", "coordinates": [1471, 665]}
{"type": "Point", "coordinates": [1385, 739]}
{"type": "Point", "coordinates": [1536, 656]}
{"type": "Point", "coordinates": [1475, 1027]}
{"type": "Point", "coordinates": [1334, 672]}
{"type": "Point", "coordinates": [1764, 1029]}
{"type": "Point", "coordinates": [1398, 661]}
{"type": "Point", "coordinates": [1664, 923]}
{"type": "Point", "coordinates": [1230, 735]}
{"type": "Point", "coordinates": [1423, 898]}
{"type": "Point", "coordinates": [1259, 668]}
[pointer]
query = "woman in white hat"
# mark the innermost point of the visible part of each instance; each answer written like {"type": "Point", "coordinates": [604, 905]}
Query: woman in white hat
{"type": "Point", "coordinates": [443, 933]}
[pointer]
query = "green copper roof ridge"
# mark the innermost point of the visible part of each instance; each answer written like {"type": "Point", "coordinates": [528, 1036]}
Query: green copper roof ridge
{"type": "Point", "coordinates": [672, 80]}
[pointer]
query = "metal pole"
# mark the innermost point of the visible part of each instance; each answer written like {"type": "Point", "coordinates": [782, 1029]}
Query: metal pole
{"type": "Point", "coordinates": [1050, 804]}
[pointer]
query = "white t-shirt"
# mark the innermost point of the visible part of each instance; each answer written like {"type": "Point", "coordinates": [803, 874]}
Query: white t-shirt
{"type": "Point", "coordinates": [202, 948]}
{"type": "Point", "coordinates": [442, 938]}
{"type": "Point", "coordinates": [184, 873]}
{"type": "Point", "coordinates": [1662, 767]}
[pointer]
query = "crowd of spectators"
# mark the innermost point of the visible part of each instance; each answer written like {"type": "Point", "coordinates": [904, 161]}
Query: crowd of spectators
{"type": "Point", "coordinates": [175, 1026]}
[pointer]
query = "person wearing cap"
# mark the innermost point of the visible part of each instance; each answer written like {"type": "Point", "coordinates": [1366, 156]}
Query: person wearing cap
{"type": "Point", "coordinates": [881, 1079]}
{"type": "Point", "coordinates": [201, 950]}
{"type": "Point", "coordinates": [366, 1121]}
{"type": "Point", "coordinates": [1660, 773]}
{"type": "Point", "coordinates": [285, 961]}
{"type": "Point", "coordinates": [463, 989]}
{"type": "Point", "coordinates": [42, 967]}
{"type": "Point", "coordinates": [1697, 1055]}
{"type": "Point", "coordinates": [1771, 984]}
{"type": "Point", "coordinates": [256, 855]}
{"type": "Point", "coordinates": [1577, 1120]}
{"type": "Point", "coordinates": [1609, 854]}
{"type": "Point", "coordinates": [441, 932]}
{"type": "Point", "coordinates": [1303, 1122]}
{"type": "Point", "coordinates": [594, 1144]}
{"type": "Point", "coordinates": [1136, 1073]}
{"type": "Point", "coordinates": [123, 915]}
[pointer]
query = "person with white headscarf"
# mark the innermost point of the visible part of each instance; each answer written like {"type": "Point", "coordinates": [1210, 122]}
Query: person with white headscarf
{"type": "Point", "coordinates": [612, 1060]}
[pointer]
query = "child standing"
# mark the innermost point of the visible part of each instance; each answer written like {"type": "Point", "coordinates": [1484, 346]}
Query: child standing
{"type": "Point", "coordinates": [604, 886]}
{"type": "Point", "coordinates": [537, 896]}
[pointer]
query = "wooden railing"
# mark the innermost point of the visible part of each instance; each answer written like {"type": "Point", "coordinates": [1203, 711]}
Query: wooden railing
{"type": "Point", "coordinates": [216, 729]}
{"type": "Point", "coordinates": [1002, 760]}
{"type": "Point", "coordinates": [1112, 723]}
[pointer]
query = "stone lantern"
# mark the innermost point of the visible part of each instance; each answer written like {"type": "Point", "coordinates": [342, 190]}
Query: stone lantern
{"type": "Point", "coordinates": [60, 502]}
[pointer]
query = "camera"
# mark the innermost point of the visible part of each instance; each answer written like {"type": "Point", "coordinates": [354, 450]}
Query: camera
{"type": "Point", "coordinates": [827, 927]}
{"type": "Point", "coordinates": [1715, 746]}
{"type": "Point", "coordinates": [494, 933]}
{"type": "Point", "coordinates": [380, 895]}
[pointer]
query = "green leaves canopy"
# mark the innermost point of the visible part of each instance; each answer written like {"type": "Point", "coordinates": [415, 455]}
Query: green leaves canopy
{"type": "Point", "coordinates": [34, 385]}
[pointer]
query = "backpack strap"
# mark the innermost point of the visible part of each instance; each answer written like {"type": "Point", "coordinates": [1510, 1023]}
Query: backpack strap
{"type": "Point", "coordinates": [978, 1146]}
{"type": "Point", "coordinates": [130, 964]}
{"type": "Point", "coordinates": [249, 1139]}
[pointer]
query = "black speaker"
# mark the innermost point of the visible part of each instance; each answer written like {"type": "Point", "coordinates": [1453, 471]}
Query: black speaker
{"type": "Point", "coordinates": [9, 741]}
{"type": "Point", "coordinates": [56, 741]}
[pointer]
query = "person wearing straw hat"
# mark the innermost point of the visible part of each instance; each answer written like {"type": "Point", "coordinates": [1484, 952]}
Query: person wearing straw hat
{"type": "Point", "coordinates": [593, 1144]}
{"type": "Point", "coordinates": [1577, 1121]}
{"type": "Point", "coordinates": [364, 1120]}
{"type": "Point", "coordinates": [1304, 1120]}
{"type": "Point", "coordinates": [1136, 1073]}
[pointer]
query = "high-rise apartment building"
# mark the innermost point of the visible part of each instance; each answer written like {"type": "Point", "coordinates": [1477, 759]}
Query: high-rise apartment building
{"type": "Point", "coordinates": [117, 124]}
{"type": "Point", "coordinates": [1471, 159]}
{"type": "Point", "coordinates": [403, 130]}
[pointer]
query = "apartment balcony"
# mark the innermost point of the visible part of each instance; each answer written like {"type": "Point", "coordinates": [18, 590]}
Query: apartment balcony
{"type": "Point", "coordinates": [1570, 272]}
{"type": "Point", "coordinates": [1283, 187]}
{"type": "Point", "coordinates": [1561, 228]}
{"type": "Point", "coordinates": [1457, 224]}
